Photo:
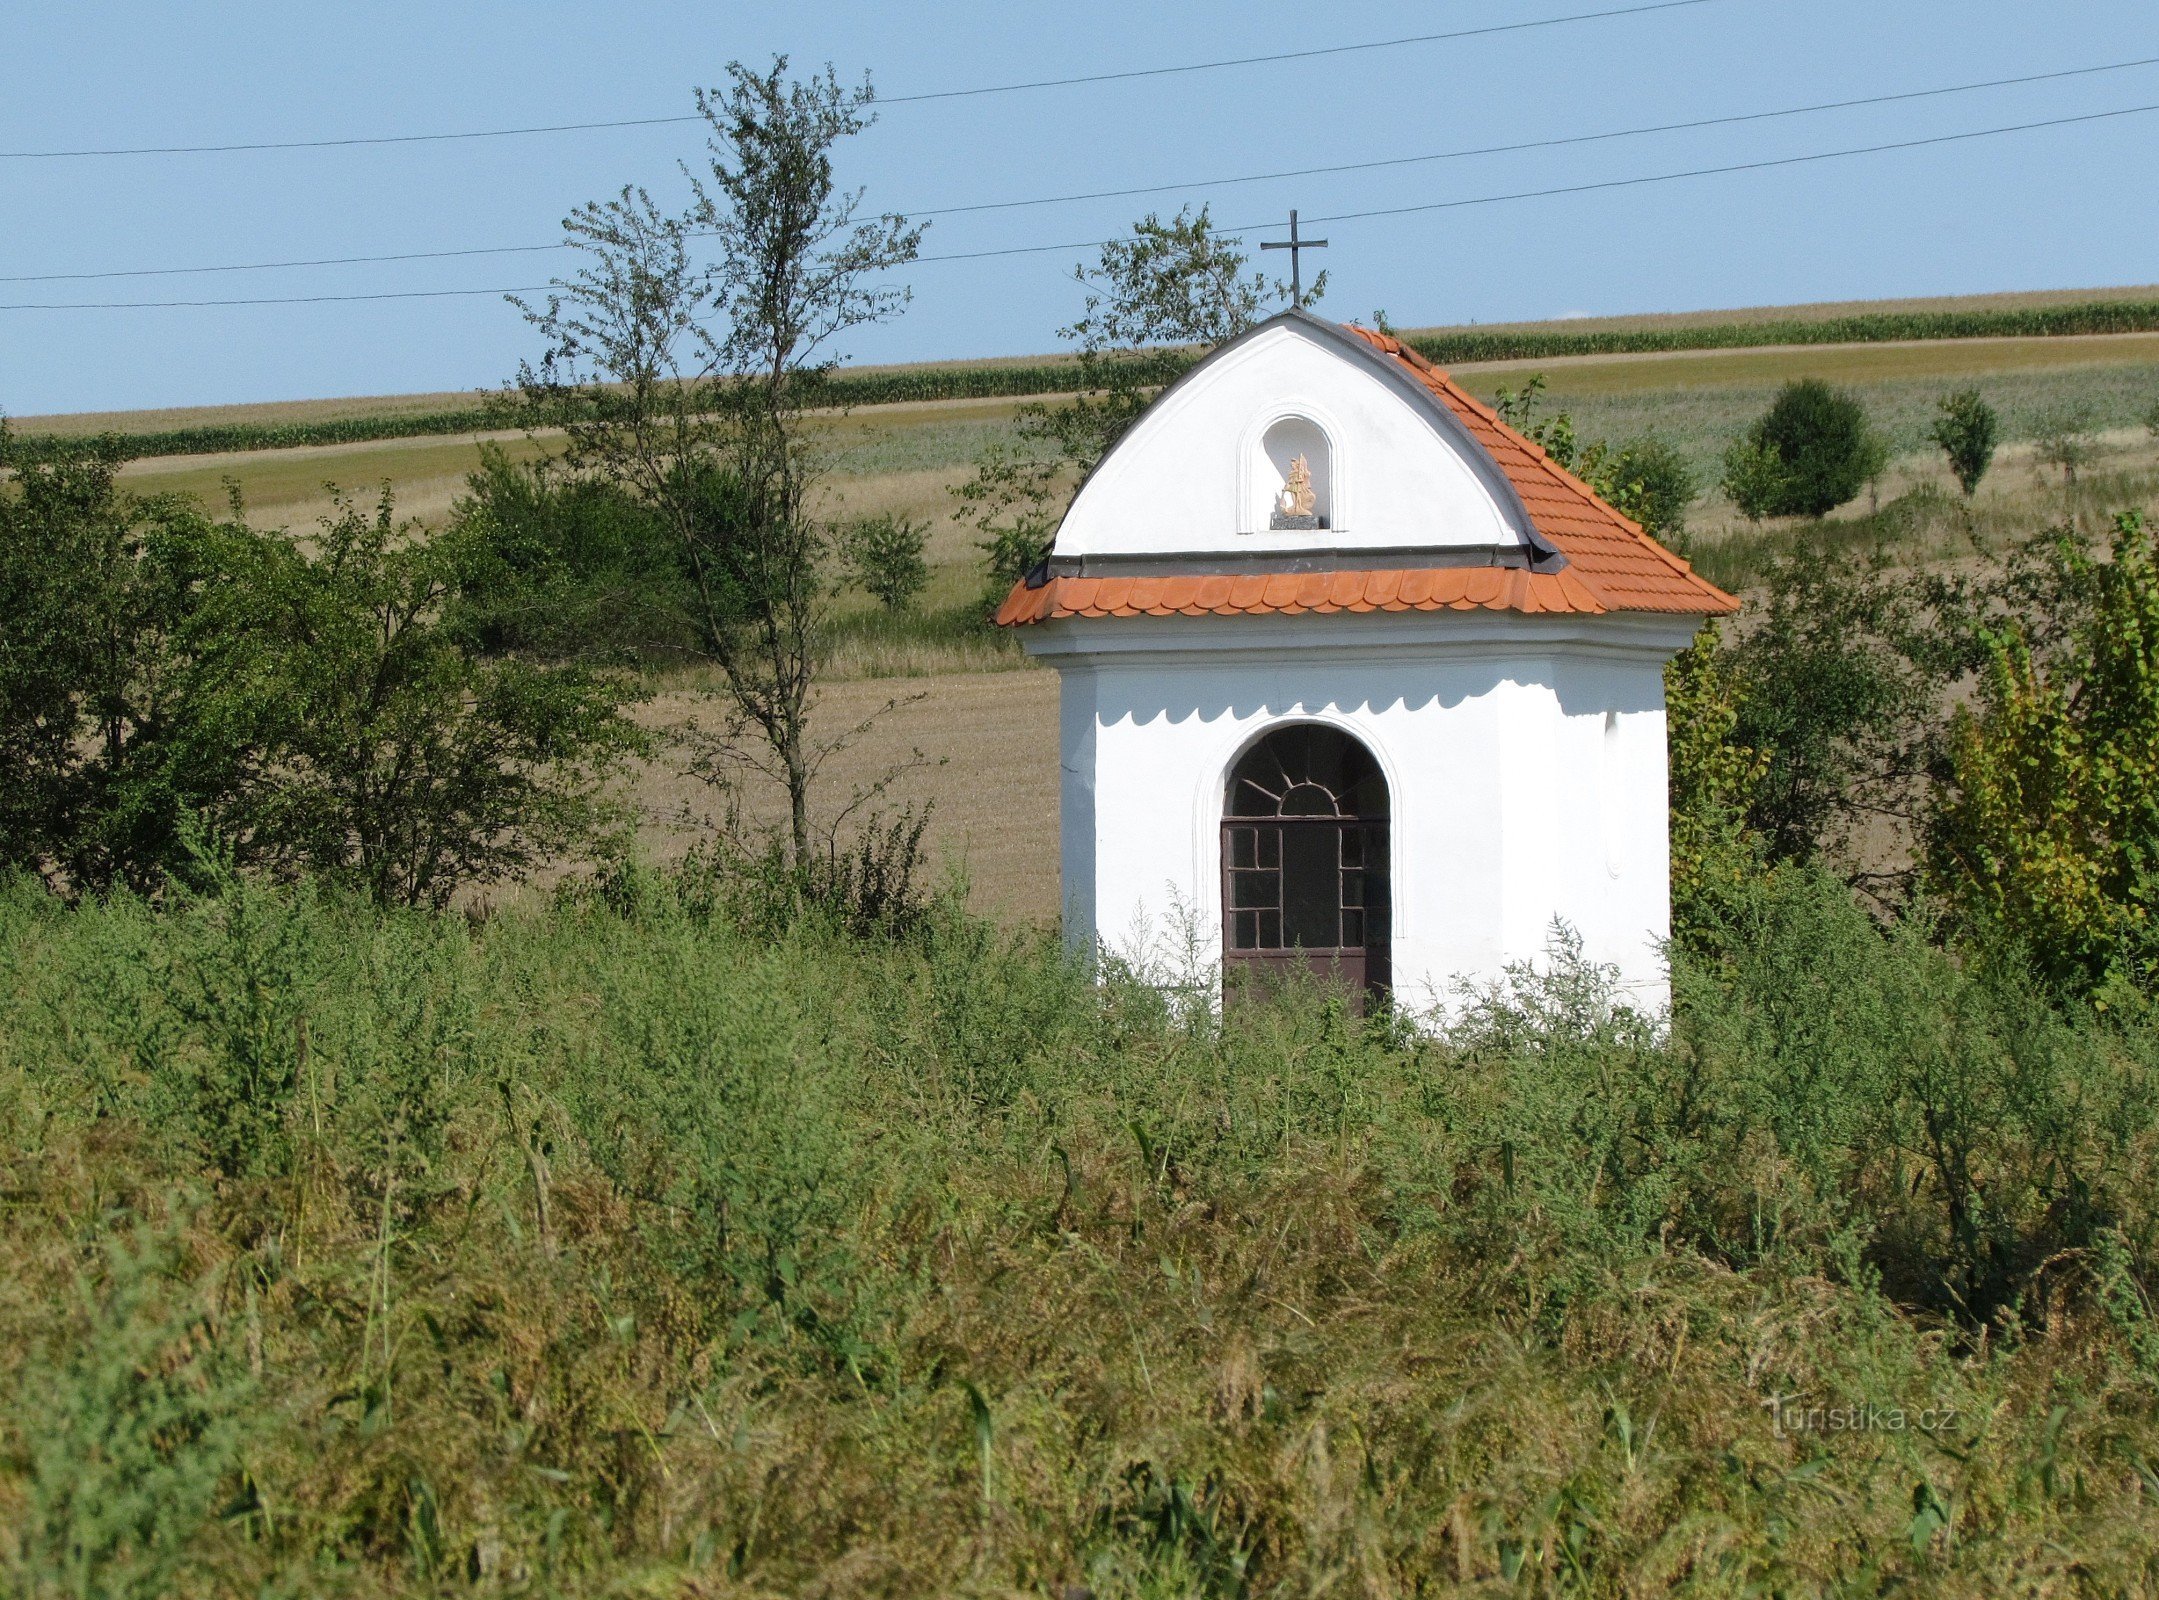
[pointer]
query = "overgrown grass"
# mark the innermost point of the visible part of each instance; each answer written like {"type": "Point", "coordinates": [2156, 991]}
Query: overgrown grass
{"type": "Point", "coordinates": [1922, 524]}
{"type": "Point", "coordinates": [922, 641]}
{"type": "Point", "coordinates": [1701, 418]}
{"type": "Point", "coordinates": [606, 1248]}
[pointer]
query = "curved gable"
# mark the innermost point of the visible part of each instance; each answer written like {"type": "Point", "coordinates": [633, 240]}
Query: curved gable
{"type": "Point", "coordinates": [1391, 466]}
{"type": "Point", "coordinates": [1474, 516]}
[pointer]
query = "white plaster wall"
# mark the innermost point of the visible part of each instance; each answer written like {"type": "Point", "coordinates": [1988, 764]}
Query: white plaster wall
{"type": "Point", "coordinates": [1524, 759]}
{"type": "Point", "coordinates": [1193, 473]}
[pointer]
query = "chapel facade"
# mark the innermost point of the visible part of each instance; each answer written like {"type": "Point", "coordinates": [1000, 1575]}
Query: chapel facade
{"type": "Point", "coordinates": [1356, 680]}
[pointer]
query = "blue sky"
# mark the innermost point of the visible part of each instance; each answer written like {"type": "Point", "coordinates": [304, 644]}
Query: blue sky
{"type": "Point", "coordinates": [2061, 207]}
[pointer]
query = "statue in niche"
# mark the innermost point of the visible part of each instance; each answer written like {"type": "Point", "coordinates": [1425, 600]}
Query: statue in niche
{"type": "Point", "coordinates": [1296, 506]}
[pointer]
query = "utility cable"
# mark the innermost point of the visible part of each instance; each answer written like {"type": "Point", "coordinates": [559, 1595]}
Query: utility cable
{"type": "Point", "coordinates": [1160, 188]}
{"type": "Point", "coordinates": [1237, 231]}
{"type": "Point", "coordinates": [889, 100]}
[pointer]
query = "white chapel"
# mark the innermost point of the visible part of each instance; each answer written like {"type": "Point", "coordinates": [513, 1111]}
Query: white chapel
{"type": "Point", "coordinates": [1355, 678]}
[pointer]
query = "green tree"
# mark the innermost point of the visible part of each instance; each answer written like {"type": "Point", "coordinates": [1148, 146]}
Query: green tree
{"type": "Point", "coordinates": [885, 555]}
{"type": "Point", "coordinates": [1967, 429]}
{"type": "Point", "coordinates": [1171, 287]}
{"type": "Point", "coordinates": [100, 584]}
{"type": "Point", "coordinates": [2047, 831]}
{"type": "Point", "coordinates": [1646, 479]}
{"type": "Point", "coordinates": [1812, 451]}
{"type": "Point", "coordinates": [2064, 439]}
{"type": "Point", "coordinates": [686, 385]}
{"type": "Point", "coordinates": [1714, 779]}
{"type": "Point", "coordinates": [372, 747]}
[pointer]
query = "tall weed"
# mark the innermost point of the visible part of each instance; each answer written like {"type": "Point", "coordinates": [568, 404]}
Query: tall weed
{"type": "Point", "coordinates": [617, 1241]}
{"type": "Point", "coordinates": [134, 1413]}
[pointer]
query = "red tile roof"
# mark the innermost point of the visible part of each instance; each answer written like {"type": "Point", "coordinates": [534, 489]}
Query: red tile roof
{"type": "Point", "coordinates": [1611, 564]}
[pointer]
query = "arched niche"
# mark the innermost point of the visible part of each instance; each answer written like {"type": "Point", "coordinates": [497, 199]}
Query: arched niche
{"type": "Point", "coordinates": [1282, 445]}
{"type": "Point", "coordinates": [1306, 889]}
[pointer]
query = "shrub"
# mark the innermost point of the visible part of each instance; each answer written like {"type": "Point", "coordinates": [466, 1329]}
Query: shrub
{"type": "Point", "coordinates": [885, 555]}
{"type": "Point", "coordinates": [1646, 479]}
{"type": "Point", "coordinates": [1714, 782]}
{"type": "Point", "coordinates": [1650, 481]}
{"type": "Point", "coordinates": [1967, 429]}
{"type": "Point", "coordinates": [1754, 478]}
{"type": "Point", "coordinates": [1837, 690]}
{"type": "Point", "coordinates": [241, 991]}
{"type": "Point", "coordinates": [135, 1427]}
{"type": "Point", "coordinates": [2063, 439]}
{"type": "Point", "coordinates": [317, 707]}
{"type": "Point", "coordinates": [2046, 834]}
{"type": "Point", "coordinates": [1812, 451]}
{"type": "Point", "coordinates": [873, 887]}
{"type": "Point", "coordinates": [559, 566]}
{"type": "Point", "coordinates": [377, 751]}
{"type": "Point", "coordinates": [101, 587]}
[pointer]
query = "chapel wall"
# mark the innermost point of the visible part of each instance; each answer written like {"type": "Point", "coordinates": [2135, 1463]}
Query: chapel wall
{"type": "Point", "coordinates": [1521, 787]}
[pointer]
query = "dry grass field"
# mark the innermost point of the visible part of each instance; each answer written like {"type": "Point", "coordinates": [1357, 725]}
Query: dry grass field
{"type": "Point", "coordinates": [984, 718]}
{"type": "Point", "coordinates": [982, 746]}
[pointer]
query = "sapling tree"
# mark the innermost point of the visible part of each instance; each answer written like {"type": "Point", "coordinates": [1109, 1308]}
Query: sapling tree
{"type": "Point", "coordinates": [884, 553]}
{"type": "Point", "coordinates": [688, 383]}
{"type": "Point", "coordinates": [1967, 429]}
{"type": "Point", "coordinates": [2065, 440]}
{"type": "Point", "coordinates": [1171, 286]}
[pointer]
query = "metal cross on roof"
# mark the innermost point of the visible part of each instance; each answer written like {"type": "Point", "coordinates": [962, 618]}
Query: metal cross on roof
{"type": "Point", "coordinates": [1293, 245]}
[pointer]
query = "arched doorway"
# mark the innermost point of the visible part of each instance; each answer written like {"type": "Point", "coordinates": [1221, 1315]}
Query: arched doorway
{"type": "Point", "coordinates": [1304, 864]}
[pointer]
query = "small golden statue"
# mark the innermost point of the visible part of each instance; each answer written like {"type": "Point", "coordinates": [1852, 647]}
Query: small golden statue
{"type": "Point", "coordinates": [1296, 498]}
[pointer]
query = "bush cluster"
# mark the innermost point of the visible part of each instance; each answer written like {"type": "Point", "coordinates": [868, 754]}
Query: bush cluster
{"type": "Point", "coordinates": [618, 1236]}
{"type": "Point", "coordinates": [178, 692]}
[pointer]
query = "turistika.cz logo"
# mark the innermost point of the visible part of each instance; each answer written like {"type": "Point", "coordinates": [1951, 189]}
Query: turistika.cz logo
{"type": "Point", "coordinates": [1790, 1414]}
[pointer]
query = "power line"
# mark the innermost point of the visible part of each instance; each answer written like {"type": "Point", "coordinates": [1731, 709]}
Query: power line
{"type": "Point", "coordinates": [1533, 144]}
{"type": "Point", "coordinates": [275, 300]}
{"type": "Point", "coordinates": [273, 266]}
{"type": "Point", "coordinates": [1227, 232]}
{"type": "Point", "coordinates": [1165, 188]}
{"type": "Point", "coordinates": [890, 100]}
{"type": "Point", "coordinates": [1300, 55]}
{"type": "Point", "coordinates": [1587, 188]}
{"type": "Point", "coordinates": [1742, 166]}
